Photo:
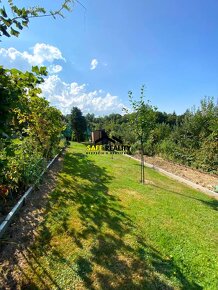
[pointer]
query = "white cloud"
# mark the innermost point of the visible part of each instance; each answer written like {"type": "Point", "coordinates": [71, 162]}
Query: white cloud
{"type": "Point", "coordinates": [94, 64]}
{"type": "Point", "coordinates": [64, 96]}
{"type": "Point", "coordinates": [41, 53]}
{"type": "Point", "coordinates": [53, 69]}
{"type": "Point", "coordinates": [45, 52]}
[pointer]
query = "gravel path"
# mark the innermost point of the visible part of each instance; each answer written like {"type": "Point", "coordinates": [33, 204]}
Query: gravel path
{"type": "Point", "coordinates": [204, 179]}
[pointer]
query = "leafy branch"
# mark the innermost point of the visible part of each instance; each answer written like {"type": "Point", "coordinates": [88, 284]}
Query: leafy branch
{"type": "Point", "coordinates": [12, 26]}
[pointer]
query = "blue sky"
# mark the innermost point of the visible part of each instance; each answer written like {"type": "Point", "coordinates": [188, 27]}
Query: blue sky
{"type": "Point", "coordinates": [96, 55]}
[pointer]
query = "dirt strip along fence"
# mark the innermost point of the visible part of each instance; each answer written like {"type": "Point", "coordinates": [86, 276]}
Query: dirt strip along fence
{"type": "Point", "coordinates": [21, 202]}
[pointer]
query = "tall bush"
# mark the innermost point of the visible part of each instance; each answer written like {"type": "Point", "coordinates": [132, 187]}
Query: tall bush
{"type": "Point", "coordinates": [30, 129]}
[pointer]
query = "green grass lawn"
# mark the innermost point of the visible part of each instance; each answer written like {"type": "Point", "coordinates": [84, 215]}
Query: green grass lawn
{"type": "Point", "coordinates": [104, 230]}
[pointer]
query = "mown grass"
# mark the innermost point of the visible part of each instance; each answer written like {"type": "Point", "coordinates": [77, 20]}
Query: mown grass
{"type": "Point", "coordinates": [104, 230]}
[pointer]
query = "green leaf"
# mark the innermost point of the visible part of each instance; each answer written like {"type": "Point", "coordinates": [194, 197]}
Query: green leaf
{"type": "Point", "coordinates": [35, 69]}
{"type": "Point", "coordinates": [52, 14]}
{"type": "Point", "coordinates": [7, 22]}
{"type": "Point", "coordinates": [3, 12]}
{"type": "Point", "coordinates": [43, 70]}
{"type": "Point", "coordinates": [18, 25]}
{"type": "Point", "coordinates": [65, 6]}
{"type": "Point", "coordinates": [3, 28]}
{"type": "Point", "coordinates": [15, 32]}
{"type": "Point", "coordinates": [25, 23]}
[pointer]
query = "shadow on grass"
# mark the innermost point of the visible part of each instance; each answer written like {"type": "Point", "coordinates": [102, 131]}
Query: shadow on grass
{"type": "Point", "coordinates": [212, 203]}
{"type": "Point", "coordinates": [109, 252]}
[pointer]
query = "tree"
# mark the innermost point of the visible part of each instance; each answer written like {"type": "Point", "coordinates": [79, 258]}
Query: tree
{"type": "Point", "coordinates": [30, 129]}
{"type": "Point", "coordinates": [15, 87]}
{"type": "Point", "coordinates": [78, 123]}
{"type": "Point", "coordinates": [14, 19]}
{"type": "Point", "coordinates": [90, 120]}
{"type": "Point", "coordinates": [142, 121]}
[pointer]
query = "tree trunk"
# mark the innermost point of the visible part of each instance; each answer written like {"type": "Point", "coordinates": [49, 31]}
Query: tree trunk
{"type": "Point", "coordinates": [142, 164]}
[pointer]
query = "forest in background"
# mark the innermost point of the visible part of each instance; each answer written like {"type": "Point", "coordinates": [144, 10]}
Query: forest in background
{"type": "Point", "coordinates": [190, 139]}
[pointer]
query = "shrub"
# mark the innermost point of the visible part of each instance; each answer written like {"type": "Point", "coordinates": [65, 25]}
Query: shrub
{"type": "Point", "coordinates": [207, 155]}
